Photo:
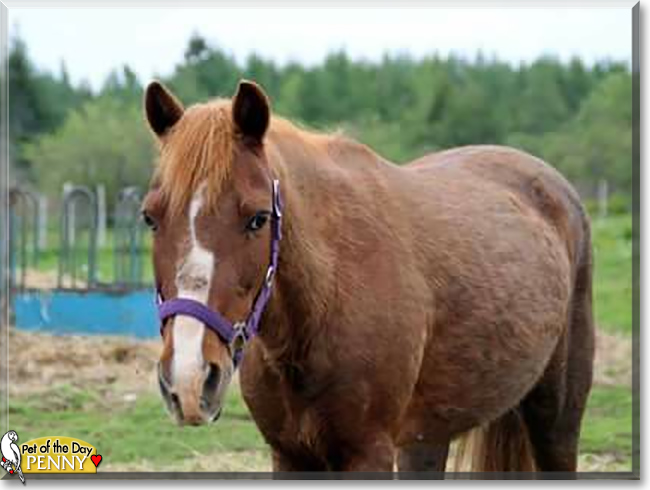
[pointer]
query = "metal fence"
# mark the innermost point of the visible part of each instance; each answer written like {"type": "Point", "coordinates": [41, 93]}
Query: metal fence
{"type": "Point", "coordinates": [97, 289]}
{"type": "Point", "coordinates": [23, 245]}
{"type": "Point", "coordinates": [77, 201]}
{"type": "Point", "coordinates": [127, 238]}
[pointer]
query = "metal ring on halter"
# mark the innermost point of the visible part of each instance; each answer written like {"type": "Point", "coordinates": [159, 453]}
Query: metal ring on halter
{"type": "Point", "coordinates": [270, 273]}
{"type": "Point", "coordinates": [277, 207]}
{"type": "Point", "coordinates": [239, 338]}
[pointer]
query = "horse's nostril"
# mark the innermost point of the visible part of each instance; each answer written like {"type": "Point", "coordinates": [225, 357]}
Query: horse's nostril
{"type": "Point", "coordinates": [176, 405]}
{"type": "Point", "coordinates": [204, 404]}
{"type": "Point", "coordinates": [216, 416]}
{"type": "Point", "coordinates": [212, 380]}
{"type": "Point", "coordinates": [162, 379]}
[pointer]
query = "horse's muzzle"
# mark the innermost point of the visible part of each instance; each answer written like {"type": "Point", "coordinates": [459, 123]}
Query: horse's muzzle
{"type": "Point", "coordinates": [193, 406]}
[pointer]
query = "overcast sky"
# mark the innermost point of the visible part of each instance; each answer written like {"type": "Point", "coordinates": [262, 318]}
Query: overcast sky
{"type": "Point", "coordinates": [152, 41]}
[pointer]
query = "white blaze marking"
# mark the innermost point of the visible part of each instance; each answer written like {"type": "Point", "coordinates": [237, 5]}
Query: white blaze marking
{"type": "Point", "coordinates": [193, 277]}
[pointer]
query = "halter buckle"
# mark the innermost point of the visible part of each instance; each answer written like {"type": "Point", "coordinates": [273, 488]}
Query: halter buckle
{"type": "Point", "coordinates": [239, 338]}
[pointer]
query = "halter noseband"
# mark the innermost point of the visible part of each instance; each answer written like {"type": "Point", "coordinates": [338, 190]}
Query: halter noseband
{"type": "Point", "coordinates": [234, 335]}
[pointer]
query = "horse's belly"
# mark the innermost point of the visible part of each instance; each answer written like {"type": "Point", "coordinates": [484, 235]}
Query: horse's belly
{"type": "Point", "coordinates": [498, 319]}
{"type": "Point", "coordinates": [473, 374]}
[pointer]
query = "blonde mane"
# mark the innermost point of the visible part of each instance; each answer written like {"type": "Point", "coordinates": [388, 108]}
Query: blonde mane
{"type": "Point", "coordinates": [199, 148]}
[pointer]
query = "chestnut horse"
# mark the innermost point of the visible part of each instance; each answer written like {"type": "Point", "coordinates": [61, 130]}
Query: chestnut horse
{"type": "Point", "coordinates": [410, 304]}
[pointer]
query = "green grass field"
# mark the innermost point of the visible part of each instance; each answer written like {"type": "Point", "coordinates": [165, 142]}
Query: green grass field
{"type": "Point", "coordinates": [612, 240]}
{"type": "Point", "coordinates": [145, 432]}
{"type": "Point", "coordinates": [143, 435]}
{"type": "Point", "coordinates": [139, 435]}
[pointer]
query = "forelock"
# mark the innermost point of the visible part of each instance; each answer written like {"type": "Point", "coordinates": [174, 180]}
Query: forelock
{"type": "Point", "coordinates": [199, 148]}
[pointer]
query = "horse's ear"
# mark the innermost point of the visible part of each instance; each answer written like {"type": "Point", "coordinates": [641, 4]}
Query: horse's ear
{"type": "Point", "coordinates": [251, 110]}
{"type": "Point", "coordinates": [162, 108]}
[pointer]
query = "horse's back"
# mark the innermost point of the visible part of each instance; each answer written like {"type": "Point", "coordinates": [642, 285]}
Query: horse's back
{"type": "Point", "coordinates": [493, 173]}
{"type": "Point", "coordinates": [510, 169]}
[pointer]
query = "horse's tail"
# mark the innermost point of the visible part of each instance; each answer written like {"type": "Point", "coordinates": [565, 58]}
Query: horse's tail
{"type": "Point", "coordinates": [503, 445]}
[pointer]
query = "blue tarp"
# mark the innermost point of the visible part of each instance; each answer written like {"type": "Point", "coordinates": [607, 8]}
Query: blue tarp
{"type": "Point", "coordinates": [130, 313]}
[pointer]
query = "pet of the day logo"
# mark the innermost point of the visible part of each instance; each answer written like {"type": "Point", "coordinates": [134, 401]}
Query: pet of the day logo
{"type": "Point", "coordinates": [11, 454]}
{"type": "Point", "coordinates": [47, 455]}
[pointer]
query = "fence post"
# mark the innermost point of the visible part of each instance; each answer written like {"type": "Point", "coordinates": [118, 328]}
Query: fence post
{"type": "Point", "coordinates": [602, 198]}
{"type": "Point", "coordinates": [42, 223]}
{"type": "Point", "coordinates": [71, 223]}
{"type": "Point", "coordinates": [127, 238]}
{"type": "Point", "coordinates": [101, 215]}
{"type": "Point", "coordinates": [20, 233]}
{"type": "Point", "coordinates": [67, 257]}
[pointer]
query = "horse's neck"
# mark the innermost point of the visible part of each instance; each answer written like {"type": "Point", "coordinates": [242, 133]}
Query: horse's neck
{"type": "Point", "coordinates": [317, 197]}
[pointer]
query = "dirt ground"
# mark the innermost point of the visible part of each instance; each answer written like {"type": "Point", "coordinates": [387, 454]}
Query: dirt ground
{"type": "Point", "coordinates": [119, 369]}
{"type": "Point", "coordinates": [613, 364]}
{"type": "Point", "coordinates": [121, 365]}
{"type": "Point", "coordinates": [48, 280]}
{"type": "Point", "coordinates": [39, 361]}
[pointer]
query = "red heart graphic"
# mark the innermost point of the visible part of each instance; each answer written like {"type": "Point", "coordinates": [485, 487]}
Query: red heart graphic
{"type": "Point", "coordinates": [96, 459]}
{"type": "Point", "coordinates": [11, 472]}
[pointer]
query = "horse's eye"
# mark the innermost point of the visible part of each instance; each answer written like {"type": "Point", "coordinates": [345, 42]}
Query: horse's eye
{"type": "Point", "coordinates": [149, 221]}
{"type": "Point", "coordinates": [257, 221]}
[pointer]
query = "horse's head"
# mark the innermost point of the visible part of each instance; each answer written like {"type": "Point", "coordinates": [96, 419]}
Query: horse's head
{"type": "Point", "coordinates": [209, 208]}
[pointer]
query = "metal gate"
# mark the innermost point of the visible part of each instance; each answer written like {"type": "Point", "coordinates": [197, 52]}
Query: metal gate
{"type": "Point", "coordinates": [80, 287]}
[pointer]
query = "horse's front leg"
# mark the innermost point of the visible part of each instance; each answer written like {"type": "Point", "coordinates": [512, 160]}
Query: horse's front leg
{"type": "Point", "coordinates": [418, 457]}
{"type": "Point", "coordinates": [286, 463]}
{"type": "Point", "coordinates": [374, 455]}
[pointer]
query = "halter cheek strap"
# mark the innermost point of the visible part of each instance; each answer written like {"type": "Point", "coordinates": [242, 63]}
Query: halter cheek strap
{"type": "Point", "coordinates": [234, 335]}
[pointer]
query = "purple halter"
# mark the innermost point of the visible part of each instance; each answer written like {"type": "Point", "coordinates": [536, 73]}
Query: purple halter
{"type": "Point", "coordinates": [235, 336]}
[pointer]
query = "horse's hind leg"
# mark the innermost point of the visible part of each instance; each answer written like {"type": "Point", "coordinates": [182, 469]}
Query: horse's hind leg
{"type": "Point", "coordinates": [421, 456]}
{"type": "Point", "coordinates": [553, 410]}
